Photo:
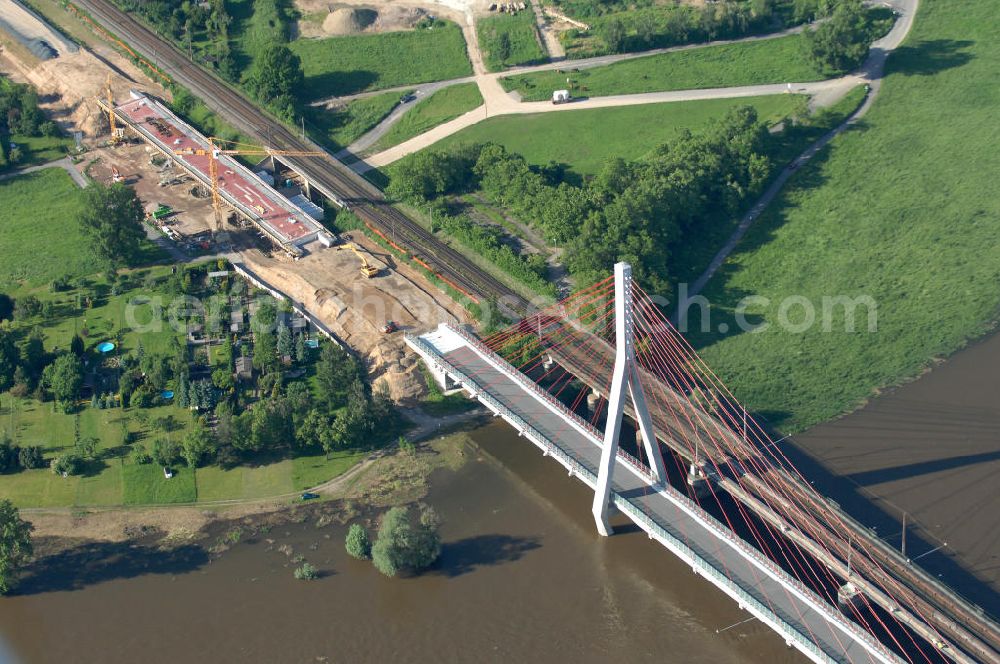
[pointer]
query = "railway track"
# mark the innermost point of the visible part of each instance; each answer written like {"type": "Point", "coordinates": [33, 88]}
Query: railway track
{"type": "Point", "coordinates": [325, 173]}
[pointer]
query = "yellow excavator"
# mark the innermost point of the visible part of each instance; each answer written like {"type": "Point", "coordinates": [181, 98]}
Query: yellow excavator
{"type": "Point", "coordinates": [367, 269]}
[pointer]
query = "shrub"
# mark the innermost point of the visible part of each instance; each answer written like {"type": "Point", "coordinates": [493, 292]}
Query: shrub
{"type": "Point", "coordinates": [70, 463]}
{"type": "Point", "coordinates": [357, 544]}
{"type": "Point", "coordinates": [306, 572]}
{"type": "Point", "coordinates": [31, 457]}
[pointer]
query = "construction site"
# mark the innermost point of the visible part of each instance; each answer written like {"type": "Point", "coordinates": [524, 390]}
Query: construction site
{"type": "Point", "coordinates": [250, 197]}
{"type": "Point", "coordinates": [354, 288]}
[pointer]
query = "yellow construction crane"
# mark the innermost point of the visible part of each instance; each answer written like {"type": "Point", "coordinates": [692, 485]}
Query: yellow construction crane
{"type": "Point", "coordinates": [216, 148]}
{"type": "Point", "coordinates": [115, 138]}
{"type": "Point", "coordinates": [367, 269]}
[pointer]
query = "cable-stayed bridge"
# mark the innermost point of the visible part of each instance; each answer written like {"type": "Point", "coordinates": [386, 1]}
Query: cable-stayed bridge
{"type": "Point", "coordinates": [603, 384]}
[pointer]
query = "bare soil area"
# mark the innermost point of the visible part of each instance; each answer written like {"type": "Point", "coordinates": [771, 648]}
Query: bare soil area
{"type": "Point", "coordinates": [156, 180]}
{"type": "Point", "coordinates": [69, 85]}
{"type": "Point", "coordinates": [327, 19]}
{"type": "Point", "coordinates": [329, 284]}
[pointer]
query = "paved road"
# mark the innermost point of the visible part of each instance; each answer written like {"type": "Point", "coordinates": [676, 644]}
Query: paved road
{"type": "Point", "coordinates": [497, 101]}
{"type": "Point", "coordinates": [507, 105]}
{"type": "Point", "coordinates": [871, 73]}
{"type": "Point", "coordinates": [65, 163]}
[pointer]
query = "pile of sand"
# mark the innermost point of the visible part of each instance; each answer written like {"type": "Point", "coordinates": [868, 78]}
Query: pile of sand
{"type": "Point", "coordinates": [344, 21]}
{"type": "Point", "coordinates": [69, 84]}
{"type": "Point", "coordinates": [328, 284]}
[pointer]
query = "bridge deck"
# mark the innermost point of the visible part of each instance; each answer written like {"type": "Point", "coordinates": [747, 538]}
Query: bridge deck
{"type": "Point", "coordinates": [802, 618]}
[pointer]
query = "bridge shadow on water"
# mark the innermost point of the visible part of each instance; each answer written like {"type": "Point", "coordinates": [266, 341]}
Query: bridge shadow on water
{"type": "Point", "coordinates": [91, 563]}
{"type": "Point", "coordinates": [847, 491]}
{"type": "Point", "coordinates": [467, 555]}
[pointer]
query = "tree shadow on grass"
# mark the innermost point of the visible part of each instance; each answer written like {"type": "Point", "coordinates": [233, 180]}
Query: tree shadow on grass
{"type": "Point", "coordinates": [95, 562]}
{"type": "Point", "coordinates": [339, 83]}
{"type": "Point", "coordinates": [930, 57]}
{"type": "Point", "coordinates": [466, 555]}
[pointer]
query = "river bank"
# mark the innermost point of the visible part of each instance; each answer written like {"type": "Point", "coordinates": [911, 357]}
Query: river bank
{"type": "Point", "coordinates": [523, 576]}
{"type": "Point", "coordinates": [388, 476]}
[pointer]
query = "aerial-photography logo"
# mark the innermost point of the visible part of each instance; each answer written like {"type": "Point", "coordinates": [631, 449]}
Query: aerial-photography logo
{"type": "Point", "coordinates": [753, 314]}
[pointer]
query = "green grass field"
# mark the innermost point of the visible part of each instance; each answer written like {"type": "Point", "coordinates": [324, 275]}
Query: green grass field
{"type": "Point", "coordinates": [753, 63]}
{"type": "Point", "coordinates": [341, 127]}
{"type": "Point", "coordinates": [147, 485]}
{"type": "Point", "coordinates": [584, 140]}
{"type": "Point", "coordinates": [22, 227]}
{"type": "Point", "coordinates": [440, 107]}
{"type": "Point", "coordinates": [904, 209]}
{"type": "Point", "coordinates": [345, 65]}
{"type": "Point", "coordinates": [522, 40]}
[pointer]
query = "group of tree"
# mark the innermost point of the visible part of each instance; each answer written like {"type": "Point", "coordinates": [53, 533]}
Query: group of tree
{"type": "Point", "coordinates": [840, 44]}
{"type": "Point", "coordinates": [20, 116]}
{"type": "Point", "coordinates": [645, 25]}
{"type": "Point", "coordinates": [405, 543]}
{"type": "Point", "coordinates": [14, 458]}
{"type": "Point", "coordinates": [15, 545]}
{"type": "Point", "coordinates": [111, 218]}
{"type": "Point", "coordinates": [637, 211]}
{"type": "Point", "coordinates": [27, 368]}
{"type": "Point", "coordinates": [189, 23]}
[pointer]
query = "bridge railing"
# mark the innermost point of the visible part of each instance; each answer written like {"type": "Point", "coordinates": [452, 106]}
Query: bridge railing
{"type": "Point", "coordinates": [642, 513]}
{"type": "Point", "coordinates": [637, 513]}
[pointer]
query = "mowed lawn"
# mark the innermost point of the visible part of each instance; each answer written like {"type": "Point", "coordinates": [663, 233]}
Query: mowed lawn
{"type": "Point", "coordinates": [584, 140]}
{"type": "Point", "coordinates": [778, 60]}
{"type": "Point", "coordinates": [444, 105]}
{"type": "Point", "coordinates": [337, 66]}
{"type": "Point", "coordinates": [39, 240]}
{"type": "Point", "coordinates": [522, 46]}
{"type": "Point", "coordinates": [905, 210]}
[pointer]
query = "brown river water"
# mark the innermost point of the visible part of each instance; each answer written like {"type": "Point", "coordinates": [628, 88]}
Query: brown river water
{"type": "Point", "coordinates": [524, 577]}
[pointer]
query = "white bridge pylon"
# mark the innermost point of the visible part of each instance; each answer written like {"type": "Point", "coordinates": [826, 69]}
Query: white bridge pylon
{"type": "Point", "coordinates": [625, 377]}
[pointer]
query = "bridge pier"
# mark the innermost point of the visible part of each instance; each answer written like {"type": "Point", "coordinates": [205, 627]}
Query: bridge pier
{"type": "Point", "coordinates": [442, 378]}
{"type": "Point", "coordinates": [625, 377]}
{"type": "Point", "coordinates": [592, 399]}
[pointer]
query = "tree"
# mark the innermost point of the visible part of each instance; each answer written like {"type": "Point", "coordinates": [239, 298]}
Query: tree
{"type": "Point", "coordinates": [301, 353]}
{"type": "Point", "coordinates": [614, 35]}
{"type": "Point", "coordinates": [358, 545]}
{"type": "Point", "coordinates": [276, 77]}
{"type": "Point", "coordinates": [284, 342]}
{"type": "Point", "coordinates": [403, 546]}
{"type": "Point", "coordinates": [64, 378]}
{"type": "Point", "coordinates": [265, 352]}
{"type": "Point", "coordinates": [197, 443]}
{"type": "Point", "coordinates": [111, 218]}
{"type": "Point", "coordinates": [76, 345]}
{"type": "Point", "coordinates": [335, 372]}
{"type": "Point", "coordinates": [15, 544]}
{"type": "Point", "coordinates": [165, 452]}
{"type": "Point", "coordinates": [841, 43]}
{"type": "Point", "coordinates": [31, 457]}
{"type": "Point", "coordinates": [8, 359]}
{"type": "Point", "coordinates": [87, 447]}
{"type": "Point", "coordinates": [33, 355]}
